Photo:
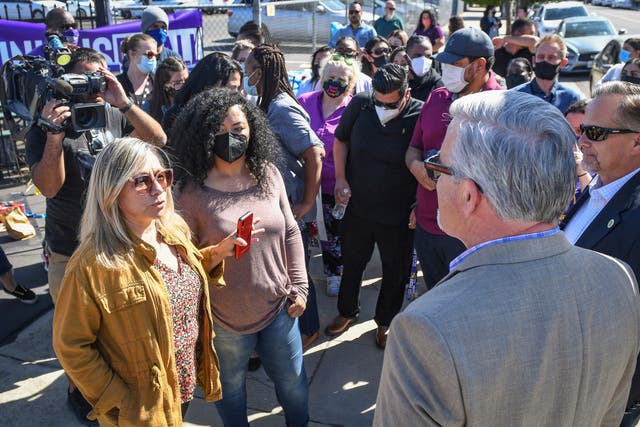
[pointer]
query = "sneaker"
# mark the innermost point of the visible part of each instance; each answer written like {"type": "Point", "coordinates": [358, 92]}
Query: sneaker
{"type": "Point", "coordinates": [333, 285]}
{"type": "Point", "coordinates": [23, 294]}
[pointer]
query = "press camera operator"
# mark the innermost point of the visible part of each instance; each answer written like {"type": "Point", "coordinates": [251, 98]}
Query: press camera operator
{"type": "Point", "coordinates": [61, 161]}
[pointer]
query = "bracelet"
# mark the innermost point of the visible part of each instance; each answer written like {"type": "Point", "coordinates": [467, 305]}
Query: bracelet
{"type": "Point", "coordinates": [583, 174]}
{"type": "Point", "coordinates": [126, 107]}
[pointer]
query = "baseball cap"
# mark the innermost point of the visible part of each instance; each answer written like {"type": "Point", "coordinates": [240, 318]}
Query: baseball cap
{"type": "Point", "coordinates": [466, 43]}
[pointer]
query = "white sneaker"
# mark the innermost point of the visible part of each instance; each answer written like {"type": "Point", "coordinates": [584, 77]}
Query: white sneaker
{"type": "Point", "coordinates": [333, 285]}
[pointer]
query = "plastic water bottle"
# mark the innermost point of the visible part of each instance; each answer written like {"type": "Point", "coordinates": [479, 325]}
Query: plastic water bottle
{"type": "Point", "coordinates": [339, 209]}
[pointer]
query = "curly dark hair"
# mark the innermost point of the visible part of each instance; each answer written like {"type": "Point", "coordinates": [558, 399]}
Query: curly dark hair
{"type": "Point", "coordinates": [200, 119]}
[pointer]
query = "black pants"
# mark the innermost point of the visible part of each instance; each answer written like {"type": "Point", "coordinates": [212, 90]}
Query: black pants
{"type": "Point", "coordinates": [435, 252]}
{"type": "Point", "coordinates": [395, 244]}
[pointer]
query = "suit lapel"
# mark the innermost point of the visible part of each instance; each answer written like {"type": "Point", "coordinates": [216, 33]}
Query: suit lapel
{"type": "Point", "coordinates": [610, 216]}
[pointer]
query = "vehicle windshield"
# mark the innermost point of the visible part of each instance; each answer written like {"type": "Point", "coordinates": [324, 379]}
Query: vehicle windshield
{"type": "Point", "coordinates": [594, 28]}
{"type": "Point", "coordinates": [569, 12]}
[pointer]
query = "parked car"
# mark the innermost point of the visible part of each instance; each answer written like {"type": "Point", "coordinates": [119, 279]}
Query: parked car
{"type": "Point", "coordinates": [134, 9]}
{"type": "Point", "coordinates": [550, 14]}
{"type": "Point", "coordinates": [27, 9]}
{"type": "Point", "coordinates": [585, 38]}
{"type": "Point", "coordinates": [601, 2]}
{"type": "Point", "coordinates": [624, 4]}
{"type": "Point", "coordinates": [608, 57]}
{"type": "Point", "coordinates": [292, 22]}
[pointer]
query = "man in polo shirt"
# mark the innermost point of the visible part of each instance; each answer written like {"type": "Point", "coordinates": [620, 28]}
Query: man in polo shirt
{"type": "Point", "coordinates": [550, 58]}
{"type": "Point", "coordinates": [389, 22]}
{"type": "Point", "coordinates": [356, 28]}
{"type": "Point", "coordinates": [606, 218]}
{"type": "Point", "coordinates": [466, 68]}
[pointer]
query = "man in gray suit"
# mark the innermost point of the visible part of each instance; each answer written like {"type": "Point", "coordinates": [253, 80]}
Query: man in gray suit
{"type": "Point", "coordinates": [526, 329]}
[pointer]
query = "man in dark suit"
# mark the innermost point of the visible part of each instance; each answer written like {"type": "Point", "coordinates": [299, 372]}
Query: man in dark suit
{"type": "Point", "coordinates": [526, 329]}
{"type": "Point", "coordinates": [607, 216]}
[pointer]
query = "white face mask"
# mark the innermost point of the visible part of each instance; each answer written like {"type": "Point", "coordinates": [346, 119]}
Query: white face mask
{"type": "Point", "coordinates": [385, 116]}
{"type": "Point", "coordinates": [453, 78]}
{"type": "Point", "coordinates": [420, 65]}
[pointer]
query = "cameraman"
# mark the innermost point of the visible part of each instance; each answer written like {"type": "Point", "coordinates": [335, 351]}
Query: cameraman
{"type": "Point", "coordinates": [61, 163]}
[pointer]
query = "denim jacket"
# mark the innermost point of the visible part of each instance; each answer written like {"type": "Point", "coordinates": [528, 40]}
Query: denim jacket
{"type": "Point", "coordinates": [113, 334]}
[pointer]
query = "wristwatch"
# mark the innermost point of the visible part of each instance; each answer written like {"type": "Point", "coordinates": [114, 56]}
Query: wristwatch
{"type": "Point", "coordinates": [126, 107]}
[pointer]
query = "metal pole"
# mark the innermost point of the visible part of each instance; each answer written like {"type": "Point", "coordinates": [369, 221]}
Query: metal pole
{"type": "Point", "coordinates": [313, 25]}
{"type": "Point", "coordinates": [257, 15]}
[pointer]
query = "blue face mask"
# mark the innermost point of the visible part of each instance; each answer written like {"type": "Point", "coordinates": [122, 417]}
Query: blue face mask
{"type": "Point", "coordinates": [624, 55]}
{"type": "Point", "coordinates": [147, 66]}
{"type": "Point", "coordinates": [159, 35]}
{"type": "Point", "coordinates": [71, 36]}
{"type": "Point", "coordinates": [251, 90]}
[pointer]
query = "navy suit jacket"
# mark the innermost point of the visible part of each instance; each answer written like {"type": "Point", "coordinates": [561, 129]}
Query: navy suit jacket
{"type": "Point", "coordinates": [616, 232]}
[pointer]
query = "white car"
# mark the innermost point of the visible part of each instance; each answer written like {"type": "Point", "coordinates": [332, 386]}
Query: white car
{"type": "Point", "coordinates": [549, 15]}
{"type": "Point", "coordinates": [28, 9]}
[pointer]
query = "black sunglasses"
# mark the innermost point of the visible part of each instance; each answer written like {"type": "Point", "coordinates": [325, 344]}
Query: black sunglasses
{"type": "Point", "coordinates": [598, 133]}
{"type": "Point", "coordinates": [435, 169]}
{"type": "Point", "coordinates": [387, 105]}
{"type": "Point", "coordinates": [381, 51]}
{"type": "Point", "coordinates": [353, 12]}
{"type": "Point", "coordinates": [144, 182]}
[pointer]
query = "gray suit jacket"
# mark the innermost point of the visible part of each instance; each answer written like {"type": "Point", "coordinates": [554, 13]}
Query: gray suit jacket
{"type": "Point", "coordinates": [524, 333]}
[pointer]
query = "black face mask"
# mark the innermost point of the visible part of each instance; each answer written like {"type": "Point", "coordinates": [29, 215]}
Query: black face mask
{"type": "Point", "coordinates": [514, 80]}
{"type": "Point", "coordinates": [631, 79]}
{"type": "Point", "coordinates": [230, 146]}
{"type": "Point", "coordinates": [545, 70]}
{"type": "Point", "coordinates": [380, 61]}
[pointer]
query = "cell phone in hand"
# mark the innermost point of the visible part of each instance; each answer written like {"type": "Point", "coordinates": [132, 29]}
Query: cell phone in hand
{"type": "Point", "coordinates": [245, 226]}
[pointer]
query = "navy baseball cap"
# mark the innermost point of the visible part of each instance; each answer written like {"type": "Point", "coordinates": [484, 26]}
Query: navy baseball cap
{"type": "Point", "coordinates": [466, 43]}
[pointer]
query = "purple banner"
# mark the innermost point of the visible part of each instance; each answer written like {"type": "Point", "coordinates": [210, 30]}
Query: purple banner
{"type": "Point", "coordinates": [185, 37]}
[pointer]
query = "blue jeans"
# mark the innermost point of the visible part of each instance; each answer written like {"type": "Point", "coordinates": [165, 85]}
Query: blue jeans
{"type": "Point", "coordinates": [280, 349]}
{"type": "Point", "coordinates": [5, 265]}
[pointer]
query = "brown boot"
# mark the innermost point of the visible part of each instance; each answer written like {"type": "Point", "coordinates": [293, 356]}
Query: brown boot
{"type": "Point", "coordinates": [339, 325]}
{"type": "Point", "coordinates": [381, 336]}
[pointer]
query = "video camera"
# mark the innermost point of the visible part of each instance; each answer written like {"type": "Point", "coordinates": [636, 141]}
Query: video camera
{"type": "Point", "coordinates": [29, 82]}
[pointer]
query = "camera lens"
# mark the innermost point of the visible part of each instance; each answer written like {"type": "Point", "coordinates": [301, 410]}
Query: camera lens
{"type": "Point", "coordinates": [86, 118]}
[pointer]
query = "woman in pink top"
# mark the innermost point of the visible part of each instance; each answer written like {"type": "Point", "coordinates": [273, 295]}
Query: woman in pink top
{"type": "Point", "coordinates": [226, 151]}
{"type": "Point", "coordinates": [338, 77]}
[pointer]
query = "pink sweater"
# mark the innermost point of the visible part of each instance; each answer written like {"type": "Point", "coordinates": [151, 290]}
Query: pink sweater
{"type": "Point", "coordinates": [259, 283]}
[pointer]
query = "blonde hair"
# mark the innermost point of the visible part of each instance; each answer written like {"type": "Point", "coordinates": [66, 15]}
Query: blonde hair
{"type": "Point", "coordinates": [132, 42]}
{"type": "Point", "coordinates": [553, 39]}
{"type": "Point", "coordinates": [354, 68]}
{"type": "Point", "coordinates": [103, 229]}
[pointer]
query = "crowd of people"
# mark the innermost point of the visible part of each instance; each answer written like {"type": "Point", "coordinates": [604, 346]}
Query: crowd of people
{"type": "Point", "coordinates": [520, 205]}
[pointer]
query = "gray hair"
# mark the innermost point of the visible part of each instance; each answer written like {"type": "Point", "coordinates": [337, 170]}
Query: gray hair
{"type": "Point", "coordinates": [519, 150]}
{"type": "Point", "coordinates": [627, 115]}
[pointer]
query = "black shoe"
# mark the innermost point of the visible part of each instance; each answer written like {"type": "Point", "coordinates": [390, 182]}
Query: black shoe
{"type": "Point", "coordinates": [254, 364]}
{"type": "Point", "coordinates": [80, 407]}
{"type": "Point", "coordinates": [23, 294]}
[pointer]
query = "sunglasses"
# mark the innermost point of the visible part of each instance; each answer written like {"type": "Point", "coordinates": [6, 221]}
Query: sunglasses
{"type": "Point", "coordinates": [144, 182]}
{"type": "Point", "coordinates": [598, 133]}
{"type": "Point", "coordinates": [390, 8]}
{"type": "Point", "coordinates": [347, 53]}
{"type": "Point", "coordinates": [353, 12]}
{"type": "Point", "coordinates": [435, 169]}
{"type": "Point", "coordinates": [381, 51]}
{"type": "Point", "coordinates": [345, 59]}
{"type": "Point", "coordinates": [387, 105]}
{"type": "Point", "coordinates": [150, 54]}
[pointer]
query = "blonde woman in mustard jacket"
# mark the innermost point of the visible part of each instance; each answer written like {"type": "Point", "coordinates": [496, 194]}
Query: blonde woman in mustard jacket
{"type": "Point", "coordinates": [132, 327]}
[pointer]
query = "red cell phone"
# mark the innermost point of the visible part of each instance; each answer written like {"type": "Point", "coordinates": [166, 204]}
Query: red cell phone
{"type": "Point", "coordinates": [245, 226]}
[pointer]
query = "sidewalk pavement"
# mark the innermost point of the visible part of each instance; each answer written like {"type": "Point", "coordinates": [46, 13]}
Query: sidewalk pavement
{"type": "Point", "coordinates": [343, 372]}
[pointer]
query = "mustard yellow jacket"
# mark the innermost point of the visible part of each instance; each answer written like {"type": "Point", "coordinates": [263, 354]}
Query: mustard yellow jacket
{"type": "Point", "coordinates": [113, 334]}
